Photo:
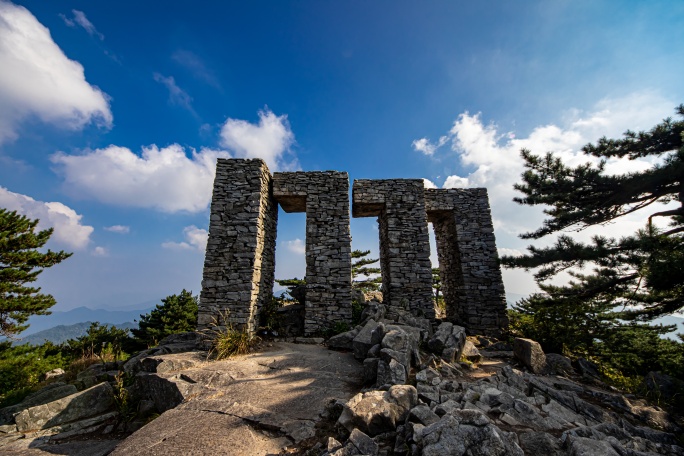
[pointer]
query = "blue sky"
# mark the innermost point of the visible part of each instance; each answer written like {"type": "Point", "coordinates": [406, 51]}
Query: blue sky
{"type": "Point", "coordinates": [112, 114]}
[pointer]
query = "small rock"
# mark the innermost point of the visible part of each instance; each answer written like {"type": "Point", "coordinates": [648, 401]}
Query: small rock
{"type": "Point", "coordinates": [363, 443]}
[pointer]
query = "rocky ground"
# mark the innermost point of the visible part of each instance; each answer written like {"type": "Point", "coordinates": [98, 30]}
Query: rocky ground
{"type": "Point", "coordinates": [391, 386]}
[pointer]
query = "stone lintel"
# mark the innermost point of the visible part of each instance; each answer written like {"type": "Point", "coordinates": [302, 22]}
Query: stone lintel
{"type": "Point", "coordinates": [324, 196]}
{"type": "Point", "coordinates": [469, 268]}
{"type": "Point", "coordinates": [399, 205]}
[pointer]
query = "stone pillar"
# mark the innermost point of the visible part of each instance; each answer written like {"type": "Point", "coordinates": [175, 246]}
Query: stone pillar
{"type": "Point", "coordinates": [324, 196]}
{"type": "Point", "coordinates": [239, 264]}
{"type": "Point", "coordinates": [399, 205]}
{"type": "Point", "coordinates": [468, 262]}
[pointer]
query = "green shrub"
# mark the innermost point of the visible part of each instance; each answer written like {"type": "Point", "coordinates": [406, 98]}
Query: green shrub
{"type": "Point", "coordinates": [176, 314]}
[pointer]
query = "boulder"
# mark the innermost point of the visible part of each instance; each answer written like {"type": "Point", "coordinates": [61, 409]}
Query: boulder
{"type": "Point", "coordinates": [165, 391]}
{"type": "Point", "coordinates": [663, 386]}
{"type": "Point", "coordinates": [376, 412]}
{"type": "Point", "coordinates": [343, 341]}
{"type": "Point", "coordinates": [471, 353]}
{"type": "Point", "coordinates": [371, 334]}
{"type": "Point", "coordinates": [50, 393]}
{"type": "Point", "coordinates": [530, 354]}
{"type": "Point", "coordinates": [448, 341]}
{"type": "Point", "coordinates": [94, 401]}
{"type": "Point", "coordinates": [558, 364]}
{"type": "Point", "coordinates": [540, 443]}
{"type": "Point", "coordinates": [373, 311]}
{"type": "Point", "coordinates": [588, 369]}
{"type": "Point", "coordinates": [363, 443]}
{"type": "Point", "coordinates": [467, 432]}
{"type": "Point", "coordinates": [54, 374]}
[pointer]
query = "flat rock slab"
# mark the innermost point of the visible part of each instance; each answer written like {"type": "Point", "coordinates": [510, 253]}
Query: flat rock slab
{"type": "Point", "coordinates": [44, 447]}
{"type": "Point", "coordinates": [253, 404]}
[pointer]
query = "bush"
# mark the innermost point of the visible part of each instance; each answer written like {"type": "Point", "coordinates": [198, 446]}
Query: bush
{"type": "Point", "coordinates": [176, 314]}
{"type": "Point", "coordinates": [22, 367]}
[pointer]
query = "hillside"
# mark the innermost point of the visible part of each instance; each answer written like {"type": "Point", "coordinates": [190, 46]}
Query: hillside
{"type": "Point", "coordinates": [62, 333]}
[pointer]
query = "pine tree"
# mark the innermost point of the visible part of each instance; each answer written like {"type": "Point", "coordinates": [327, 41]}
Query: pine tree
{"type": "Point", "coordinates": [364, 278]}
{"type": "Point", "coordinates": [642, 273]}
{"type": "Point", "coordinates": [20, 264]}
{"type": "Point", "coordinates": [176, 314]}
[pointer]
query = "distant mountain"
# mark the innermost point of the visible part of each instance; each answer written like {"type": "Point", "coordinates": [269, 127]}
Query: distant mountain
{"type": "Point", "coordinates": [80, 315]}
{"type": "Point", "coordinates": [62, 333]}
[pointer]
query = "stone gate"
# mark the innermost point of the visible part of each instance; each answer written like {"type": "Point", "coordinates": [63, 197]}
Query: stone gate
{"type": "Point", "coordinates": [240, 259]}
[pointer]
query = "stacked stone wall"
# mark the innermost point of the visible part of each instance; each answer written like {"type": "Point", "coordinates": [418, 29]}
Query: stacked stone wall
{"type": "Point", "coordinates": [399, 205]}
{"type": "Point", "coordinates": [469, 268]}
{"type": "Point", "coordinates": [240, 260]}
{"type": "Point", "coordinates": [324, 196]}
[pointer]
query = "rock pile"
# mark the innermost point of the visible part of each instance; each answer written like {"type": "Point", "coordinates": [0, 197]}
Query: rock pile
{"type": "Point", "coordinates": [540, 411]}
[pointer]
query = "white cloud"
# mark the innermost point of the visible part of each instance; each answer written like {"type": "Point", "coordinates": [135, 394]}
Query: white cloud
{"type": "Point", "coordinates": [456, 182]}
{"type": "Point", "coordinates": [81, 19]}
{"type": "Point", "coordinates": [269, 140]}
{"type": "Point", "coordinates": [296, 246]}
{"type": "Point", "coordinates": [67, 223]}
{"type": "Point", "coordinates": [177, 96]}
{"type": "Point", "coordinates": [492, 160]}
{"type": "Point", "coordinates": [100, 252]}
{"type": "Point", "coordinates": [503, 251]}
{"type": "Point", "coordinates": [426, 147]}
{"type": "Point", "coordinates": [164, 179]}
{"type": "Point", "coordinates": [121, 229]}
{"type": "Point", "coordinates": [195, 239]}
{"type": "Point", "coordinates": [37, 79]}
{"type": "Point", "coordinates": [427, 183]}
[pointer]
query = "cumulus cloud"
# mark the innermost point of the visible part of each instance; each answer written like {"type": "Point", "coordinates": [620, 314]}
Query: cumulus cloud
{"type": "Point", "coordinates": [296, 246]}
{"type": "Point", "coordinates": [269, 140]}
{"type": "Point", "coordinates": [491, 158]}
{"type": "Point", "coordinates": [37, 79]}
{"type": "Point", "coordinates": [68, 229]}
{"type": "Point", "coordinates": [195, 239]}
{"type": "Point", "coordinates": [426, 147]}
{"type": "Point", "coordinates": [177, 96]}
{"type": "Point", "coordinates": [427, 183]}
{"type": "Point", "coordinates": [120, 229]}
{"type": "Point", "coordinates": [165, 179]}
{"type": "Point", "coordinates": [79, 18]}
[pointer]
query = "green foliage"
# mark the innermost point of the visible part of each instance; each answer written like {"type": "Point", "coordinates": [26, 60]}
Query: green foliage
{"type": "Point", "coordinates": [616, 284]}
{"type": "Point", "coordinates": [125, 404]}
{"type": "Point", "coordinates": [438, 299]}
{"type": "Point", "coordinates": [296, 291]}
{"type": "Point", "coordinates": [176, 314]}
{"type": "Point", "coordinates": [22, 366]}
{"type": "Point", "coordinates": [364, 278]}
{"type": "Point", "coordinates": [227, 341]}
{"type": "Point", "coordinates": [268, 316]}
{"type": "Point", "coordinates": [357, 310]}
{"type": "Point", "coordinates": [20, 264]}
{"type": "Point", "coordinates": [101, 341]}
{"type": "Point", "coordinates": [641, 273]}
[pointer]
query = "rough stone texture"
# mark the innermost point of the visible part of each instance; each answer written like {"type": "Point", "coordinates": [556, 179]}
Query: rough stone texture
{"type": "Point", "coordinates": [324, 196]}
{"type": "Point", "coordinates": [468, 262]}
{"type": "Point", "coordinates": [240, 261]}
{"type": "Point", "coordinates": [94, 401]}
{"type": "Point", "coordinates": [253, 404]}
{"type": "Point", "coordinates": [530, 354]}
{"type": "Point", "coordinates": [376, 412]}
{"type": "Point", "coordinates": [399, 205]}
{"type": "Point", "coordinates": [50, 393]}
